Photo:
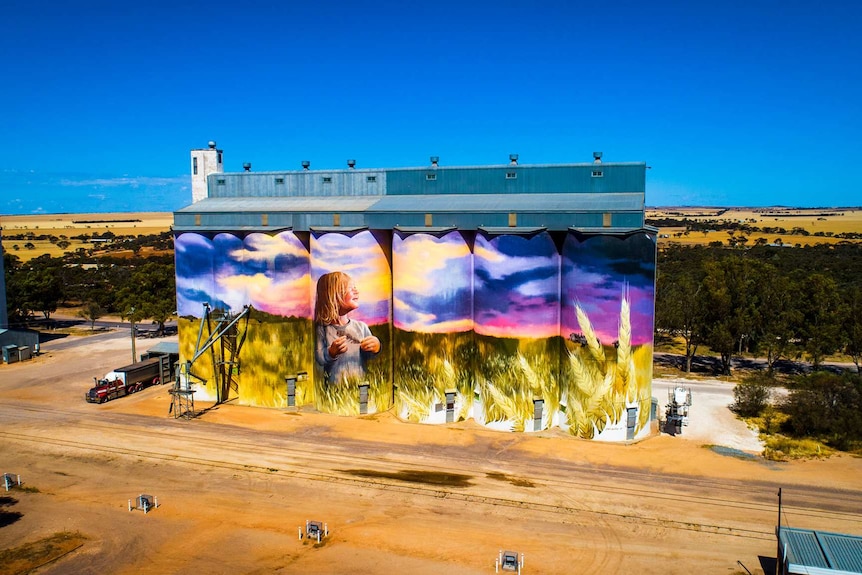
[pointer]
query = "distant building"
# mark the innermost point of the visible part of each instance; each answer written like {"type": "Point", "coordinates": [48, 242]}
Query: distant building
{"type": "Point", "coordinates": [521, 296]}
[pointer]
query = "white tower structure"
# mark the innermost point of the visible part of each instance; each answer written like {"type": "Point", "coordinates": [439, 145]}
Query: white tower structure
{"type": "Point", "coordinates": [205, 162]}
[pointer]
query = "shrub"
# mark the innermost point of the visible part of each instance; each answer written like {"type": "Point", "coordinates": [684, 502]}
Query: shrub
{"type": "Point", "coordinates": [751, 396]}
{"type": "Point", "coordinates": [827, 406]}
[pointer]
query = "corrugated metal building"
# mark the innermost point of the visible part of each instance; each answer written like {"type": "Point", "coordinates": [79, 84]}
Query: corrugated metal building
{"type": "Point", "coordinates": [590, 196]}
{"type": "Point", "coordinates": [810, 552]}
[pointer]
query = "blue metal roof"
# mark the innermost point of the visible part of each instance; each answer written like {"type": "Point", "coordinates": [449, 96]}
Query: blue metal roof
{"type": "Point", "coordinates": [807, 550]}
{"type": "Point", "coordinates": [554, 211]}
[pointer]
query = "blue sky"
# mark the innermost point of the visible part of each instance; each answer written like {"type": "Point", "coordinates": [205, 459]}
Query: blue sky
{"type": "Point", "coordinates": [730, 103]}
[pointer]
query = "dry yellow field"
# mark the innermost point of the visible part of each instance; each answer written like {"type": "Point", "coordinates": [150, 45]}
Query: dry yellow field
{"type": "Point", "coordinates": [65, 226]}
{"type": "Point", "coordinates": [825, 220]}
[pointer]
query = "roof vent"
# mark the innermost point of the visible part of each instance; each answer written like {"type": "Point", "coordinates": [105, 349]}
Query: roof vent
{"type": "Point", "coordinates": [212, 144]}
{"type": "Point", "coordinates": [597, 157]}
{"type": "Point", "coordinates": [246, 166]}
{"type": "Point", "coordinates": [434, 161]}
{"type": "Point", "coordinates": [513, 159]}
{"type": "Point", "coordinates": [306, 164]}
{"type": "Point", "coordinates": [351, 164]}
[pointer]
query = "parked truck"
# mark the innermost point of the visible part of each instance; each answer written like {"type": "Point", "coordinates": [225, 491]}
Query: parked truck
{"type": "Point", "coordinates": [125, 380]}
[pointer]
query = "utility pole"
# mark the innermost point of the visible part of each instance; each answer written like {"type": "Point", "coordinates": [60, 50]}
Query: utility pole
{"type": "Point", "coordinates": [132, 321]}
{"type": "Point", "coordinates": [778, 536]}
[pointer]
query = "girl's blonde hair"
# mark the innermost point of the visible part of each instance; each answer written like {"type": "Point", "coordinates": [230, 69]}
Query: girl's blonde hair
{"type": "Point", "coordinates": [330, 288]}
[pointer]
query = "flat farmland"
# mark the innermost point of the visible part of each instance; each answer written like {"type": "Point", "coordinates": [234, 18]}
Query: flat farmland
{"type": "Point", "coordinates": [821, 224]}
{"type": "Point", "coordinates": [43, 231]}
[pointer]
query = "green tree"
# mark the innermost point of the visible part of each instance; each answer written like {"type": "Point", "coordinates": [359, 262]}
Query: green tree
{"type": "Point", "coordinates": [40, 287]}
{"type": "Point", "coordinates": [827, 406]}
{"type": "Point", "coordinates": [151, 290]}
{"type": "Point", "coordinates": [680, 308]}
{"type": "Point", "coordinates": [731, 298]}
{"type": "Point", "coordinates": [852, 326]}
{"type": "Point", "coordinates": [820, 305]}
{"type": "Point", "coordinates": [91, 312]}
{"type": "Point", "coordinates": [778, 318]}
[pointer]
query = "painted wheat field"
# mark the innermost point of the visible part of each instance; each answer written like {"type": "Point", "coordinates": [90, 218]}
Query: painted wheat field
{"type": "Point", "coordinates": [427, 366]}
{"type": "Point", "coordinates": [605, 380]}
{"type": "Point", "coordinates": [583, 387]}
{"type": "Point", "coordinates": [280, 347]}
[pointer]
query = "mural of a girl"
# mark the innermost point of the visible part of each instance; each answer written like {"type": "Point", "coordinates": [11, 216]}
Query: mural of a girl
{"type": "Point", "coordinates": [343, 345]}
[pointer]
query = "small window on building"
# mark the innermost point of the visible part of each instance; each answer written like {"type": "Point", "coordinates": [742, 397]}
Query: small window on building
{"type": "Point", "coordinates": [511, 175]}
{"type": "Point", "coordinates": [327, 179]}
{"type": "Point", "coordinates": [194, 166]}
{"type": "Point", "coordinates": [279, 180]}
{"type": "Point", "coordinates": [597, 174]}
{"type": "Point", "coordinates": [219, 181]}
{"type": "Point", "coordinates": [606, 220]}
{"type": "Point", "coordinates": [371, 179]}
{"type": "Point", "coordinates": [430, 177]}
{"type": "Point", "coordinates": [219, 158]}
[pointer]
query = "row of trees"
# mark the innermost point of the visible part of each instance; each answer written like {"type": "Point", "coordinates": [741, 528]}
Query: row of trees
{"type": "Point", "coordinates": [777, 303]}
{"type": "Point", "coordinates": [135, 288]}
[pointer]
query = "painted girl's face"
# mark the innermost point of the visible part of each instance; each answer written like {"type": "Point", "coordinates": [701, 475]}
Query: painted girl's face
{"type": "Point", "coordinates": [349, 299]}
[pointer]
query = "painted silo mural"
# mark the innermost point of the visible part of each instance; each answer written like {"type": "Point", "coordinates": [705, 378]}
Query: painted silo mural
{"type": "Point", "coordinates": [432, 293]}
{"type": "Point", "coordinates": [517, 322]}
{"type": "Point", "coordinates": [608, 289]}
{"type": "Point", "coordinates": [352, 315]}
{"type": "Point", "coordinates": [193, 254]}
{"type": "Point", "coordinates": [270, 274]}
{"type": "Point", "coordinates": [276, 279]}
{"type": "Point", "coordinates": [519, 332]}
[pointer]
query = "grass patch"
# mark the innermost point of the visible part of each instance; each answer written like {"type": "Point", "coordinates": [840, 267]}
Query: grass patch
{"type": "Point", "coordinates": [783, 448]}
{"type": "Point", "coordinates": [25, 558]}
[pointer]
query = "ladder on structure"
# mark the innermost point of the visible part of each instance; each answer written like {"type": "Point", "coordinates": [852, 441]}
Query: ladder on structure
{"type": "Point", "coordinates": [224, 343]}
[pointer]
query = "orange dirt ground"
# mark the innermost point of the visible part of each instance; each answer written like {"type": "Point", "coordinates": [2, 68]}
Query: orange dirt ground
{"type": "Point", "coordinates": [234, 485]}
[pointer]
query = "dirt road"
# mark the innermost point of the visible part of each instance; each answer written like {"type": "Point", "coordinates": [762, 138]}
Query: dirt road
{"type": "Point", "coordinates": [235, 484]}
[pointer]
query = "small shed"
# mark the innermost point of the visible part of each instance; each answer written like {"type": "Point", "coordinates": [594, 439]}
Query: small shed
{"type": "Point", "coordinates": [811, 552]}
{"type": "Point", "coordinates": [18, 338]}
{"type": "Point", "coordinates": [169, 350]}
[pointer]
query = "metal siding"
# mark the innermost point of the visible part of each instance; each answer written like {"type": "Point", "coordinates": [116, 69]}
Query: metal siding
{"type": "Point", "coordinates": [843, 552]}
{"type": "Point", "coordinates": [262, 184]}
{"type": "Point", "coordinates": [530, 180]}
{"type": "Point", "coordinates": [556, 197]}
{"type": "Point", "coordinates": [519, 203]}
{"type": "Point", "coordinates": [803, 549]}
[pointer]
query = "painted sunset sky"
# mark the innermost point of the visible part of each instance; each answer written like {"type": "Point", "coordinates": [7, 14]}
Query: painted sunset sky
{"type": "Point", "coordinates": [517, 286]}
{"type": "Point", "coordinates": [509, 286]}
{"type": "Point", "coordinates": [596, 274]}
{"type": "Point", "coordinates": [432, 284]}
{"type": "Point", "coordinates": [269, 272]}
